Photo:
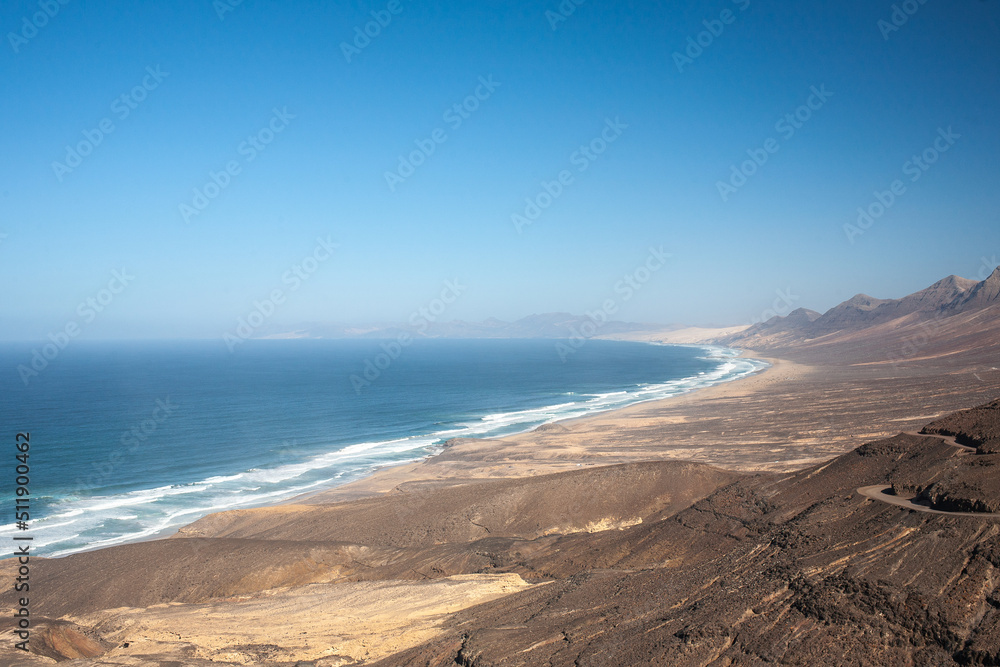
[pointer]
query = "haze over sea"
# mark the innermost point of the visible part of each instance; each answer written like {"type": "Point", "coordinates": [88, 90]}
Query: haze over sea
{"type": "Point", "coordinates": [131, 440]}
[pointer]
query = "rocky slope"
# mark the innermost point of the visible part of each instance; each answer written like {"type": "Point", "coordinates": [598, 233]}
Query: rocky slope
{"type": "Point", "coordinates": [978, 427]}
{"type": "Point", "coordinates": [953, 314]}
{"type": "Point", "coordinates": [798, 569]}
{"type": "Point", "coordinates": [673, 564]}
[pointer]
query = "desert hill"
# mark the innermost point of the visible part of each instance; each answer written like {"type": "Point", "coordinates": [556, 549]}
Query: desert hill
{"type": "Point", "coordinates": [793, 569]}
{"type": "Point", "coordinates": [360, 549]}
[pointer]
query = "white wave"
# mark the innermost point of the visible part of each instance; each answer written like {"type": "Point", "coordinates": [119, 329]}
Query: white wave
{"type": "Point", "coordinates": [520, 414]}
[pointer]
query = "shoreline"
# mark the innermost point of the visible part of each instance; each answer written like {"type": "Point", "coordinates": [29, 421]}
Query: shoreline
{"type": "Point", "coordinates": [787, 416]}
{"type": "Point", "coordinates": [445, 447]}
{"type": "Point", "coordinates": [392, 477]}
{"type": "Point", "coordinates": [781, 418]}
{"type": "Point", "coordinates": [717, 352]}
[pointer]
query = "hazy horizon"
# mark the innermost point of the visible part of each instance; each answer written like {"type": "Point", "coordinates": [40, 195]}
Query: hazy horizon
{"type": "Point", "coordinates": [185, 163]}
{"type": "Point", "coordinates": [784, 303]}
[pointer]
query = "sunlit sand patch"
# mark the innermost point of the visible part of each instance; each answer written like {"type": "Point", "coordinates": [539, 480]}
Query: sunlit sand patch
{"type": "Point", "coordinates": [359, 620]}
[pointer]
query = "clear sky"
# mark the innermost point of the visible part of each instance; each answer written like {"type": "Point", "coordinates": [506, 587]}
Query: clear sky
{"type": "Point", "coordinates": [309, 114]}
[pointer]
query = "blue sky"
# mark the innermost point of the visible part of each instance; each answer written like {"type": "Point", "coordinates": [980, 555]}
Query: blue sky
{"type": "Point", "coordinates": [222, 83]}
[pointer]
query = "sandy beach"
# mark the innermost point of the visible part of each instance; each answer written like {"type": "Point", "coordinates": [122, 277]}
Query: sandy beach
{"type": "Point", "coordinates": [783, 418]}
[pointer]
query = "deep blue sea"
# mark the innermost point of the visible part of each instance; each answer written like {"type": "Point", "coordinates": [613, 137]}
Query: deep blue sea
{"type": "Point", "coordinates": [129, 440]}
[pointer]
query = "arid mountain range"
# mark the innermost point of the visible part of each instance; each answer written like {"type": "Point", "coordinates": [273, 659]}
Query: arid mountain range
{"type": "Point", "coordinates": [941, 316]}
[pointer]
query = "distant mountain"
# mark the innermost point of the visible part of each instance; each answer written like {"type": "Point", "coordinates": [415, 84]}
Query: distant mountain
{"type": "Point", "coordinates": [954, 310]}
{"type": "Point", "coordinates": [796, 319]}
{"type": "Point", "coordinates": [544, 325]}
{"type": "Point", "coordinates": [860, 309]}
{"type": "Point", "coordinates": [982, 295]}
{"type": "Point", "coordinates": [863, 310]}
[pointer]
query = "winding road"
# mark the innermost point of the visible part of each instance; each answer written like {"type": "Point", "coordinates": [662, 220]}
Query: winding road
{"type": "Point", "coordinates": [880, 491]}
{"type": "Point", "coordinates": [948, 440]}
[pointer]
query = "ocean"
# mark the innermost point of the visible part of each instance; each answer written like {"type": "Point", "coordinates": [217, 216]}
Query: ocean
{"type": "Point", "coordinates": [129, 440]}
